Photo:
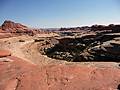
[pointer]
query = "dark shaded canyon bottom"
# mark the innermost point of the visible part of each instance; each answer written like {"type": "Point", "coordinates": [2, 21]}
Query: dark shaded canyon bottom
{"type": "Point", "coordinates": [105, 47]}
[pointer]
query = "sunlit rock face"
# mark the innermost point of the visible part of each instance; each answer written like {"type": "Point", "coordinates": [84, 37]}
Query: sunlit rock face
{"type": "Point", "coordinates": [4, 53]}
{"type": "Point", "coordinates": [10, 26]}
{"type": "Point", "coordinates": [17, 74]}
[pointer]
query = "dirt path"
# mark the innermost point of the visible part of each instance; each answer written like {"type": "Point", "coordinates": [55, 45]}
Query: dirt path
{"type": "Point", "coordinates": [14, 45]}
{"type": "Point", "coordinates": [26, 49]}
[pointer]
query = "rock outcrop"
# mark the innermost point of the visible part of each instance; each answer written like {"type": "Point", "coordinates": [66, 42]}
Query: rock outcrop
{"type": "Point", "coordinates": [89, 47]}
{"type": "Point", "coordinates": [109, 51]}
{"type": "Point", "coordinates": [1, 31]}
{"type": "Point", "coordinates": [19, 29]}
{"type": "Point", "coordinates": [17, 74]}
{"type": "Point", "coordinates": [4, 53]}
{"type": "Point", "coordinates": [10, 26]}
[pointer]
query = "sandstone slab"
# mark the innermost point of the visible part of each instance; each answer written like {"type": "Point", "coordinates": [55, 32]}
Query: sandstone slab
{"type": "Point", "coordinates": [4, 53]}
{"type": "Point", "coordinates": [22, 75]}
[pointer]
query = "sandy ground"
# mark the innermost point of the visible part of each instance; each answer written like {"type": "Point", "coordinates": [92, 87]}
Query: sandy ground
{"type": "Point", "coordinates": [27, 50]}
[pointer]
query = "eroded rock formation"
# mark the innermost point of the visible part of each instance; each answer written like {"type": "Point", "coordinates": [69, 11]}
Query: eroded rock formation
{"type": "Point", "coordinates": [10, 26]}
{"type": "Point", "coordinates": [88, 47]}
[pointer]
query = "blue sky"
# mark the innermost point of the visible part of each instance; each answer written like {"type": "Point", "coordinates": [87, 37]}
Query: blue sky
{"type": "Point", "coordinates": [60, 13]}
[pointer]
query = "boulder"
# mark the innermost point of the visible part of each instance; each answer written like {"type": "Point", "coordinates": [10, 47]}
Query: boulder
{"type": "Point", "coordinates": [4, 53]}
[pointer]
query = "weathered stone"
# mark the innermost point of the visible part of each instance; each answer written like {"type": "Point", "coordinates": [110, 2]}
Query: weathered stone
{"type": "Point", "coordinates": [4, 53]}
{"type": "Point", "coordinates": [22, 75]}
{"type": "Point", "coordinates": [10, 26]}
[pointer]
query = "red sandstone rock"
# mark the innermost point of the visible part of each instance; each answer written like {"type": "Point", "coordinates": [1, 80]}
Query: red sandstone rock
{"type": "Point", "coordinates": [4, 53]}
{"type": "Point", "coordinates": [19, 29]}
{"type": "Point", "coordinates": [21, 75]}
{"type": "Point", "coordinates": [5, 35]}
{"type": "Point", "coordinates": [10, 26]}
{"type": "Point", "coordinates": [1, 31]}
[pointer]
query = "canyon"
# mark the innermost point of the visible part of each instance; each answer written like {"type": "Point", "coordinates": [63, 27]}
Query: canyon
{"type": "Point", "coordinates": [79, 58]}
